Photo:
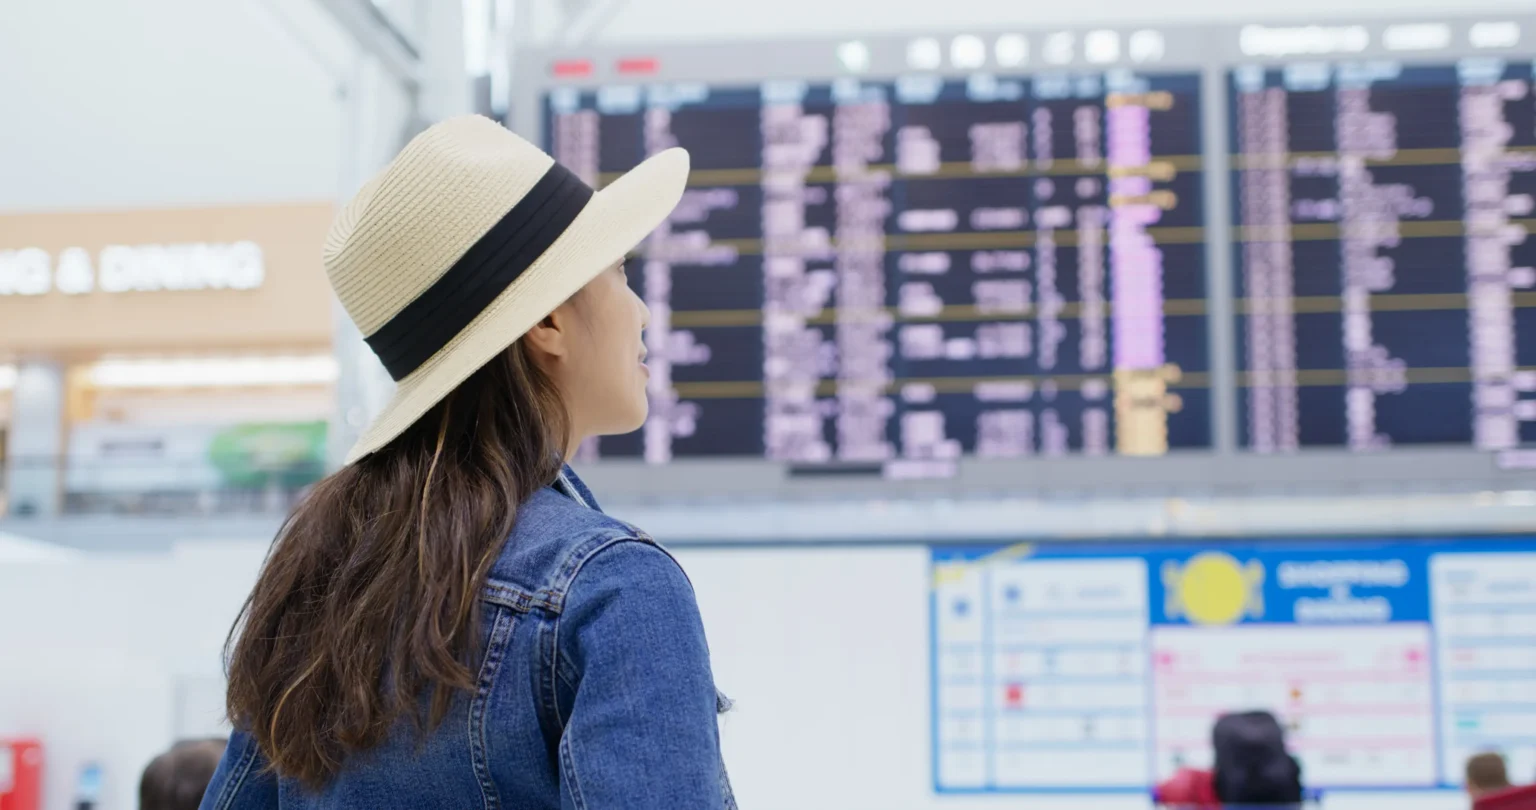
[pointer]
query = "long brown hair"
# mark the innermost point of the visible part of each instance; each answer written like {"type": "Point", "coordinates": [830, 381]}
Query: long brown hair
{"type": "Point", "coordinates": [368, 599]}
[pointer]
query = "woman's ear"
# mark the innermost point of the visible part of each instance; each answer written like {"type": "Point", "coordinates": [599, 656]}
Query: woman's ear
{"type": "Point", "coordinates": [549, 336]}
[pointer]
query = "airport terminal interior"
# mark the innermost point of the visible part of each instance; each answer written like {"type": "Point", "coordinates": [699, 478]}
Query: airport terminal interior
{"type": "Point", "coordinates": [1032, 384]}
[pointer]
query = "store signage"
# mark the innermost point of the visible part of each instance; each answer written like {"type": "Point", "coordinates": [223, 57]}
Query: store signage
{"type": "Point", "coordinates": [133, 268]}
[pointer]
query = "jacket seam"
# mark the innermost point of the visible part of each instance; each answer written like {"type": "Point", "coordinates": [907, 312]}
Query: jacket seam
{"type": "Point", "coordinates": [578, 556]}
{"type": "Point", "coordinates": [490, 668]}
{"type": "Point", "coordinates": [551, 597]}
{"type": "Point", "coordinates": [517, 599]}
{"type": "Point", "coordinates": [548, 698]}
{"type": "Point", "coordinates": [578, 561]}
{"type": "Point", "coordinates": [241, 770]}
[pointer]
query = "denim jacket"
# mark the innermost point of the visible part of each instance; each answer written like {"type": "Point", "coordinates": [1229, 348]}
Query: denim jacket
{"type": "Point", "coordinates": [594, 690]}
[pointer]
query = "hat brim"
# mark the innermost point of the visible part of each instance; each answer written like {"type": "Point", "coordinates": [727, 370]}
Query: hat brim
{"type": "Point", "coordinates": [614, 221]}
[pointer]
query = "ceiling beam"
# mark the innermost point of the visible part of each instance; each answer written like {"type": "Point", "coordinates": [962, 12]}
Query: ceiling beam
{"type": "Point", "coordinates": [378, 37]}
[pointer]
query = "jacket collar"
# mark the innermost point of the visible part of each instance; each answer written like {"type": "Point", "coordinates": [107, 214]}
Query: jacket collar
{"type": "Point", "coordinates": [569, 484]}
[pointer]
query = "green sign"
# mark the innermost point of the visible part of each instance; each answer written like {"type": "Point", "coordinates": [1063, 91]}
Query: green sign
{"type": "Point", "coordinates": [259, 455]}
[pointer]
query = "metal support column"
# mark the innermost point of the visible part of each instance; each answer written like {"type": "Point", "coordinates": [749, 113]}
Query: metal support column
{"type": "Point", "coordinates": [35, 458]}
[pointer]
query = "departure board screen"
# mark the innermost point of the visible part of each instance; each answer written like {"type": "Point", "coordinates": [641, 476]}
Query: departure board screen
{"type": "Point", "coordinates": [1383, 269]}
{"type": "Point", "coordinates": [897, 274]}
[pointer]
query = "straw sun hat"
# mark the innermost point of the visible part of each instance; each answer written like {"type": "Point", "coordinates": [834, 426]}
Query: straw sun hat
{"type": "Point", "coordinates": [469, 238]}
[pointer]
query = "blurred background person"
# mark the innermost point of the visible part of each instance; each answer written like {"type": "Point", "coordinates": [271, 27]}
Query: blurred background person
{"type": "Point", "coordinates": [1487, 773]}
{"type": "Point", "coordinates": [177, 779]}
{"type": "Point", "coordinates": [1253, 767]}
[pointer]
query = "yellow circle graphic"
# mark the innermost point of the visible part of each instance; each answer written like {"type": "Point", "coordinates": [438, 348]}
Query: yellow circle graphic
{"type": "Point", "coordinates": [1212, 588]}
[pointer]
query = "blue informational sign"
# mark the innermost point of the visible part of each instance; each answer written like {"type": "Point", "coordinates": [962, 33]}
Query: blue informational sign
{"type": "Point", "coordinates": [1303, 584]}
{"type": "Point", "coordinates": [1080, 667]}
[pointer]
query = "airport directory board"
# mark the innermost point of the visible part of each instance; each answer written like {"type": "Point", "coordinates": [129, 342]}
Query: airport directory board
{"type": "Point", "coordinates": [1244, 252]}
{"type": "Point", "coordinates": [1077, 667]}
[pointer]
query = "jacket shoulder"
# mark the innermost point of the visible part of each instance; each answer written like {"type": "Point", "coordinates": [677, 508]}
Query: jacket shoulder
{"type": "Point", "coordinates": [552, 539]}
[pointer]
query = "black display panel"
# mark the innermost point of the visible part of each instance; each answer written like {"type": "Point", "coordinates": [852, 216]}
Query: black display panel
{"type": "Point", "coordinates": [896, 274]}
{"type": "Point", "coordinates": [1383, 270]}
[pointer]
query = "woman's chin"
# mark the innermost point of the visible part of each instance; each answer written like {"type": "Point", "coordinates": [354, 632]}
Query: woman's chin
{"type": "Point", "coordinates": [637, 419]}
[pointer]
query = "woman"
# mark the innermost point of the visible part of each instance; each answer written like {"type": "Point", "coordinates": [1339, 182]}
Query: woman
{"type": "Point", "coordinates": [449, 621]}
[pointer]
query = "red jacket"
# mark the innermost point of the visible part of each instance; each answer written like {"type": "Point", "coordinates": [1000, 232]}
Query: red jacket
{"type": "Point", "coordinates": [1188, 788]}
{"type": "Point", "coordinates": [1516, 798]}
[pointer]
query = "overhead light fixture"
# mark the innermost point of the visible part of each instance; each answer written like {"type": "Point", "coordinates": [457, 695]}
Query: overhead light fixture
{"type": "Point", "coordinates": [1102, 47]}
{"type": "Point", "coordinates": [854, 55]}
{"type": "Point", "coordinates": [967, 52]}
{"type": "Point", "coordinates": [1494, 35]}
{"type": "Point", "coordinates": [1011, 50]}
{"type": "Point", "coordinates": [1302, 40]}
{"type": "Point", "coordinates": [925, 54]}
{"type": "Point", "coordinates": [1059, 48]}
{"type": "Point", "coordinates": [214, 372]}
{"type": "Point", "coordinates": [1147, 46]}
{"type": "Point", "coordinates": [1417, 37]}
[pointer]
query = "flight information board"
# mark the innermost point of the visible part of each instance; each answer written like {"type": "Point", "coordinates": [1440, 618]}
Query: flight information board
{"type": "Point", "coordinates": [1093, 668]}
{"type": "Point", "coordinates": [902, 273]}
{"type": "Point", "coordinates": [1383, 268]}
{"type": "Point", "coordinates": [960, 255]}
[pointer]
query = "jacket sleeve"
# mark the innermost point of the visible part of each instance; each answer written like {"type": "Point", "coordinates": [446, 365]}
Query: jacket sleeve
{"type": "Point", "coordinates": [242, 780]}
{"type": "Point", "coordinates": [642, 732]}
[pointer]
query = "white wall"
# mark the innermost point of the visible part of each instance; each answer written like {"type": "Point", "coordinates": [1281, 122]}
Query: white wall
{"type": "Point", "coordinates": [824, 650]}
{"type": "Point", "coordinates": [95, 657]}
{"type": "Point", "coordinates": [109, 104]}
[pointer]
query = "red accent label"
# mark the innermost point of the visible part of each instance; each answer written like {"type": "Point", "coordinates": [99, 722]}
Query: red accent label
{"type": "Point", "coordinates": [639, 64]}
{"type": "Point", "coordinates": [569, 68]}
